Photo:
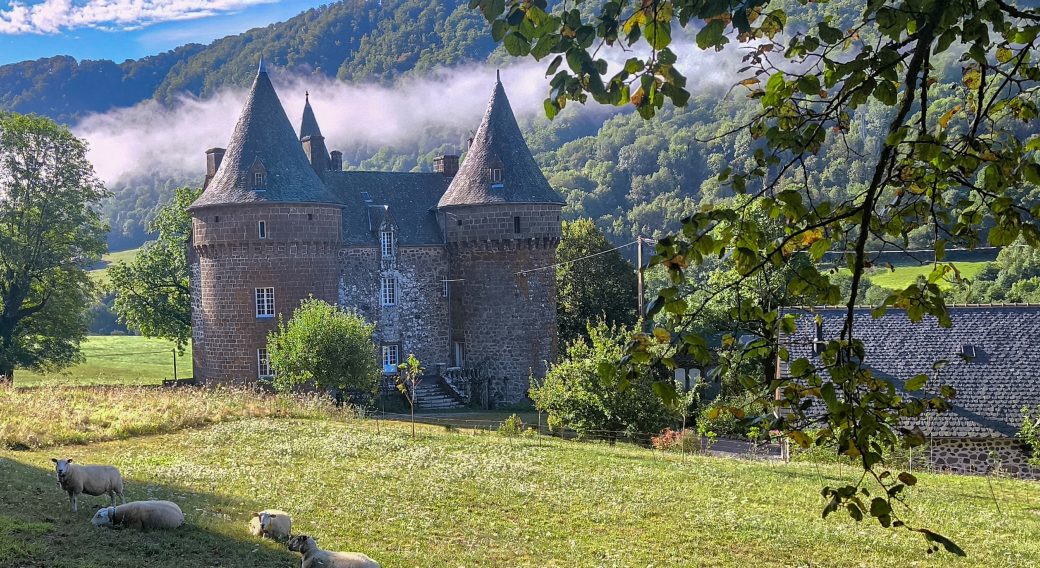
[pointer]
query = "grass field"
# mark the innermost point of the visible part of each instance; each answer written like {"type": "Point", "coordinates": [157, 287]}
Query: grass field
{"type": "Point", "coordinates": [465, 500]}
{"type": "Point", "coordinates": [904, 276]}
{"type": "Point", "coordinates": [99, 271]}
{"type": "Point", "coordinates": [130, 360]}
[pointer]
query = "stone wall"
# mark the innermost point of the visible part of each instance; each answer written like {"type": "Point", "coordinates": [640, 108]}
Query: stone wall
{"type": "Point", "coordinates": [497, 222]}
{"type": "Point", "coordinates": [298, 258]}
{"type": "Point", "coordinates": [972, 456]}
{"type": "Point", "coordinates": [418, 321]}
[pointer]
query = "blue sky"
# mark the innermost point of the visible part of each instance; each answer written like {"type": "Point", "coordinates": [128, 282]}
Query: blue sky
{"type": "Point", "coordinates": [128, 29]}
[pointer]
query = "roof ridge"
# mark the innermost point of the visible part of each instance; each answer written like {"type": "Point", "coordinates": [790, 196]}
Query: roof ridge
{"type": "Point", "coordinates": [953, 305]}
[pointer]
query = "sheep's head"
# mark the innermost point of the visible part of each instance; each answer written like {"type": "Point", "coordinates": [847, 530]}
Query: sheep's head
{"type": "Point", "coordinates": [265, 520]}
{"type": "Point", "coordinates": [103, 517]}
{"type": "Point", "coordinates": [62, 467]}
{"type": "Point", "coordinates": [302, 543]}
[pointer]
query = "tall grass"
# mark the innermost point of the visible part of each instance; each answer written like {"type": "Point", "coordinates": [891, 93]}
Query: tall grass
{"type": "Point", "coordinates": [37, 418]}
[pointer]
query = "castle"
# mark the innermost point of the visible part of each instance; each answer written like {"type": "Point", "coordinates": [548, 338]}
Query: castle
{"type": "Point", "coordinates": [454, 266]}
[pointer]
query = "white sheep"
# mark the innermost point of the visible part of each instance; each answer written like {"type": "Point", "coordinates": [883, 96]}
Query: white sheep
{"type": "Point", "coordinates": [314, 557]}
{"type": "Point", "coordinates": [141, 515]}
{"type": "Point", "coordinates": [271, 523]}
{"type": "Point", "coordinates": [89, 479]}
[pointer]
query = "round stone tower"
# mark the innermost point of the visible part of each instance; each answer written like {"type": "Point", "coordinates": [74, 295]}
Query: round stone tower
{"type": "Point", "coordinates": [266, 234]}
{"type": "Point", "coordinates": [501, 221]}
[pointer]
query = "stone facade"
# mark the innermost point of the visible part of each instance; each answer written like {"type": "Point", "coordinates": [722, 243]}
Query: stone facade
{"type": "Point", "coordinates": [297, 257]}
{"type": "Point", "coordinates": [972, 456]}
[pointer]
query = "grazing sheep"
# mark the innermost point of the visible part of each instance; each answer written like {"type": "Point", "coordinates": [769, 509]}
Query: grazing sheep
{"type": "Point", "coordinates": [271, 523]}
{"type": "Point", "coordinates": [90, 479]}
{"type": "Point", "coordinates": [314, 557]}
{"type": "Point", "coordinates": [141, 515]}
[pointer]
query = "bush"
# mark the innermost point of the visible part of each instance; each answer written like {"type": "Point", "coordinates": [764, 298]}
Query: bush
{"type": "Point", "coordinates": [725, 424]}
{"type": "Point", "coordinates": [512, 427]}
{"type": "Point", "coordinates": [585, 396]}
{"type": "Point", "coordinates": [676, 441]}
{"type": "Point", "coordinates": [325, 344]}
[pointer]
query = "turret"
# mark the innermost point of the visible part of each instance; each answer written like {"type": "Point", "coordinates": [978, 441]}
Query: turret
{"type": "Point", "coordinates": [313, 141]}
{"type": "Point", "coordinates": [502, 223]}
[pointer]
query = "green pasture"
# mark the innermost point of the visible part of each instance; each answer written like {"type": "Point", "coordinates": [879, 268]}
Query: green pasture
{"type": "Point", "coordinates": [127, 360]}
{"type": "Point", "coordinates": [99, 271]}
{"type": "Point", "coordinates": [900, 277]}
{"type": "Point", "coordinates": [473, 499]}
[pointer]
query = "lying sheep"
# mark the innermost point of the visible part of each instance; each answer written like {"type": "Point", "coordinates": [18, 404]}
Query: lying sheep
{"type": "Point", "coordinates": [271, 523]}
{"type": "Point", "coordinates": [141, 515]}
{"type": "Point", "coordinates": [90, 479]}
{"type": "Point", "coordinates": [314, 557]}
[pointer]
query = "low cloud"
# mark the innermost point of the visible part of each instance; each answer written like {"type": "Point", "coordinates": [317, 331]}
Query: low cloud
{"type": "Point", "coordinates": [439, 108]}
{"type": "Point", "coordinates": [54, 16]}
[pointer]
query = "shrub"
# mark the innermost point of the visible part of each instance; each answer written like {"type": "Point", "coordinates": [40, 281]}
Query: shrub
{"type": "Point", "coordinates": [555, 424]}
{"type": "Point", "coordinates": [724, 423]}
{"type": "Point", "coordinates": [512, 426]}
{"type": "Point", "coordinates": [585, 391]}
{"type": "Point", "coordinates": [325, 344]}
{"type": "Point", "coordinates": [674, 441]}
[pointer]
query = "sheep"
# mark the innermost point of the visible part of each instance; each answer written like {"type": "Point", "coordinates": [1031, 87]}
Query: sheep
{"type": "Point", "coordinates": [314, 557]}
{"type": "Point", "coordinates": [90, 479]}
{"type": "Point", "coordinates": [141, 515]}
{"type": "Point", "coordinates": [271, 523]}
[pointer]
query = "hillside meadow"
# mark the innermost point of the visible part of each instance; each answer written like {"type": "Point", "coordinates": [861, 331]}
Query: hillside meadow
{"type": "Point", "coordinates": [471, 498]}
{"type": "Point", "coordinates": [116, 359]}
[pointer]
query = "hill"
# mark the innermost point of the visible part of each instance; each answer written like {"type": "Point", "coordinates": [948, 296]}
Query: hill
{"type": "Point", "coordinates": [454, 499]}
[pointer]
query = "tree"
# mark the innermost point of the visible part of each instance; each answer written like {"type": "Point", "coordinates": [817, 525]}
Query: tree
{"type": "Point", "coordinates": [951, 161]}
{"type": "Point", "coordinates": [585, 390]}
{"type": "Point", "coordinates": [153, 294]}
{"type": "Point", "coordinates": [600, 285]}
{"type": "Point", "coordinates": [408, 379]}
{"type": "Point", "coordinates": [49, 234]}
{"type": "Point", "coordinates": [326, 345]}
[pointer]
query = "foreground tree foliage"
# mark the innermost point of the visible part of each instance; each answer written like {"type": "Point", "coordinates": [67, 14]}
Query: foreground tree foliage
{"type": "Point", "coordinates": [954, 164]}
{"type": "Point", "coordinates": [49, 234]}
{"type": "Point", "coordinates": [602, 285]}
{"type": "Point", "coordinates": [583, 390]}
{"type": "Point", "coordinates": [324, 345]}
{"type": "Point", "coordinates": [153, 295]}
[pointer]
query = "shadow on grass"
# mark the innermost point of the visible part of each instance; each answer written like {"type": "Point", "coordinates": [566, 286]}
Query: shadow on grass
{"type": "Point", "coordinates": [38, 529]}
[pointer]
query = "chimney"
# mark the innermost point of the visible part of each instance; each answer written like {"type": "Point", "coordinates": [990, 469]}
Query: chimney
{"type": "Point", "coordinates": [336, 161]}
{"type": "Point", "coordinates": [314, 147]}
{"type": "Point", "coordinates": [447, 166]}
{"type": "Point", "coordinates": [213, 158]}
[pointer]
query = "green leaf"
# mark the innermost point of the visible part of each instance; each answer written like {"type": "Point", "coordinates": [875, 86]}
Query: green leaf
{"type": "Point", "coordinates": [880, 507]}
{"type": "Point", "coordinates": [554, 65]}
{"type": "Point", "coordinates": [517, 45]}
{"type": "Point", "coordinates": [907, 478]}
{"type": "Point", "coordinates": [711, 35]}
{"type": "Point", "coordinates": [659, 34]}
{"type": "Point", "coordinates": [916, 383]}
{"type": "Point", "coordinates": [498, 30]}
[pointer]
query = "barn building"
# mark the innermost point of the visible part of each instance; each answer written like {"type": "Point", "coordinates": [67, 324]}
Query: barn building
{"type": "Point", "coordinates": [449, 264]}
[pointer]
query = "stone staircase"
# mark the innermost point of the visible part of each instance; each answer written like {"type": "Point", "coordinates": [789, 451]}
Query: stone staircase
{"type": "Point", "coordinates": [432, 395]}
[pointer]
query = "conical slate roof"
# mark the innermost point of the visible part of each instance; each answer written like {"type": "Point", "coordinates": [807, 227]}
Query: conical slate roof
{"type": "Point", "coordinates": [309, 124]}
{"type": "Point", "coordinates": [499, 143]}
{"type": "Point", "coordinates": [264, 140]}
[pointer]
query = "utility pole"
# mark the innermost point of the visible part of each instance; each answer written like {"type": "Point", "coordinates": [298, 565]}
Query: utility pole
{"type": "Point", "coordinates": [639, 260]}
{"type": "Point", "coordinates": [175, 364]}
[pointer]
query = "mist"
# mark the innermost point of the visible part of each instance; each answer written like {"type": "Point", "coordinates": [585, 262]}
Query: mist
{"type": "Point", "coordinates": [446, 104]}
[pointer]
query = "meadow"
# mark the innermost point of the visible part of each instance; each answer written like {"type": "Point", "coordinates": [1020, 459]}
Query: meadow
{"type": "Point", "coordinates": [99, 271]}
{"type": "Point", "coordinates": [471, 498]}
{"type": "Point", "coordinates": [899, 277]}
{"type": "Point", "coordinates": [112, 359]}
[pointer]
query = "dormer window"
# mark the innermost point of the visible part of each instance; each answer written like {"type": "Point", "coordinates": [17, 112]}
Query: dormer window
{"type": "Point", "coordinates": [386, 243]}
{"type": "Point", "coordinates": [258, 180]}
{"type": "Point", "coordinates": [258, 176]}
{"type": "Point", "coordinates": [496, 175]}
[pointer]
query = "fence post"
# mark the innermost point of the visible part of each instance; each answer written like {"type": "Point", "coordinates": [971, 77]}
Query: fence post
{"type": "Point", "coordinates": [174, 350]}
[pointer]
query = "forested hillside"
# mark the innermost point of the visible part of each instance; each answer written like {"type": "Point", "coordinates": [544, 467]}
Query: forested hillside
{"type": "Point", "coordinates": [631, 176]}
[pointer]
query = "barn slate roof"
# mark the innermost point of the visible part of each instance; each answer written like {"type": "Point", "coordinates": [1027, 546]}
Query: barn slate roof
{"type": "Point", "coordinates": [264, 134]}
{"type": "Point", "coordinates": [411, 199]}
{"type": "Point", "coordinates": [992, 387]}
{"type": "Point", "coordinates": [498, 138]}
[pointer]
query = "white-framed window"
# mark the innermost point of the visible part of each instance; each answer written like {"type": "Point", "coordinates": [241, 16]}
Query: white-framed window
{"type": "Point", "coordinates": [258, 180]}
{"type": "Point", "coordinates": [386, 243]}
{"type": "Point", "coordinates": [389, 291]}
{"type": "Point", "coordinates": [496, 175]}
{"type": "Point", "coordinates": [265, 302]}
{"type": "Point", "coordinates": [447, 288]}
{"type": "Point", "coordinates": [263, 365]}
{"type": "Point", "coordinates": [262, 229]}
{"type": "Point", "coordinates": [390, 359]}
{"type": "Point", "coordinates": [459, 354]}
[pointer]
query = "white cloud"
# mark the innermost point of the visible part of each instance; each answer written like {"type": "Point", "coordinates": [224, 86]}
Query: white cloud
{"type": "Point", "coordinates": [53, 16]}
